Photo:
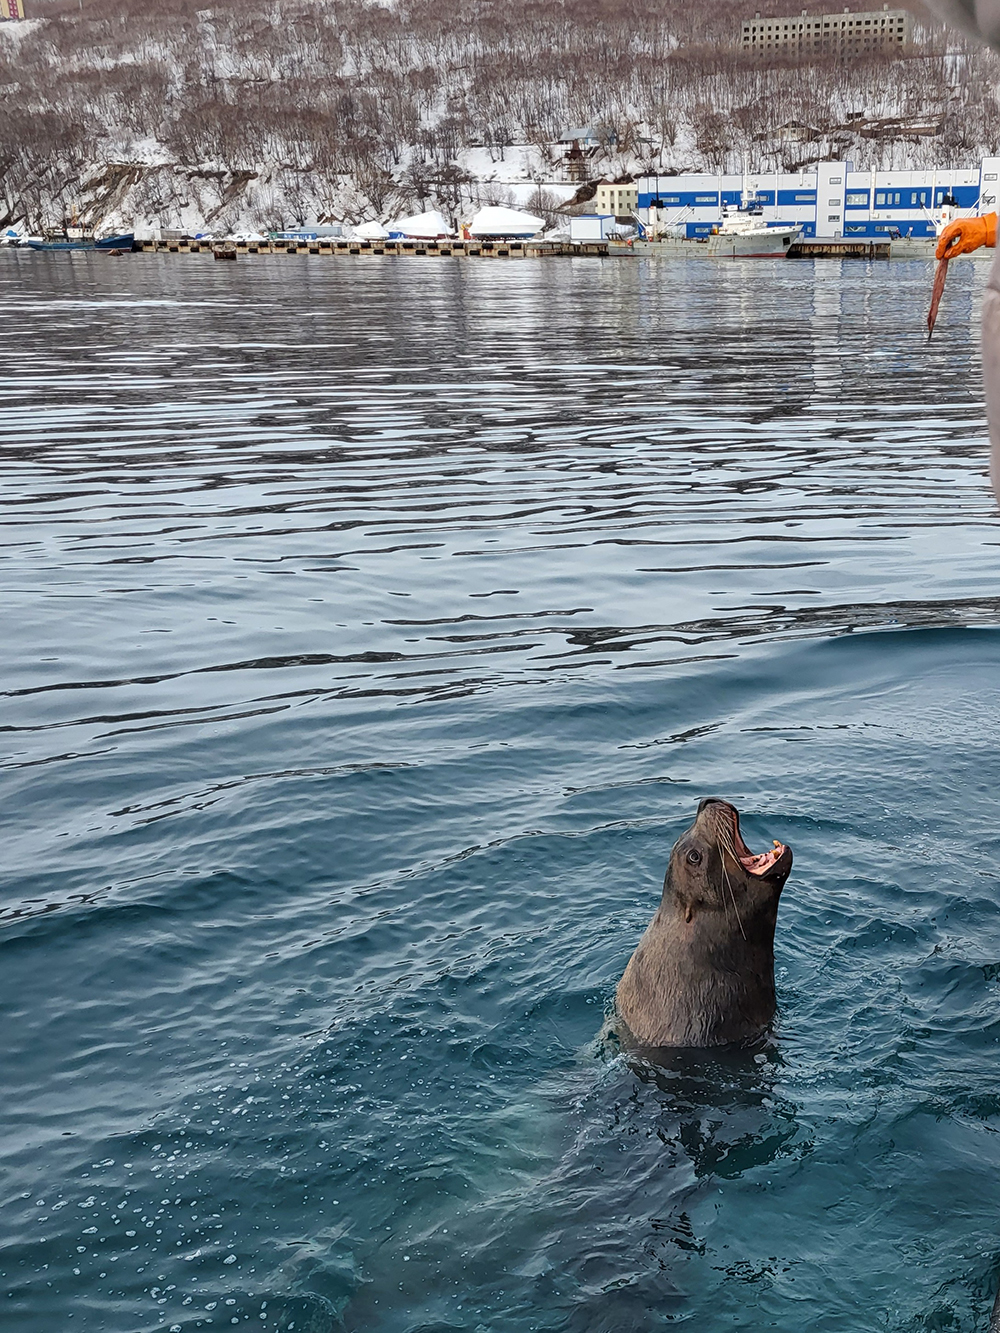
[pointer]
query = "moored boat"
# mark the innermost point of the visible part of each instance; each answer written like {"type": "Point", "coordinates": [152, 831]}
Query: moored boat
{"type": "Point", "coordinates": [124, 241]}
{"type": "Point", "coordinates": [743, 234]}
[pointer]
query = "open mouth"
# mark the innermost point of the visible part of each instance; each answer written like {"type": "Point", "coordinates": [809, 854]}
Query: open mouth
{"type": "Point", "coordinates": [755, 865]}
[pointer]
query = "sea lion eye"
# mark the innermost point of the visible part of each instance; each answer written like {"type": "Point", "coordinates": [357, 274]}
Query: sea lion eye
{"type": "Point", "coordinates": [694, 857]}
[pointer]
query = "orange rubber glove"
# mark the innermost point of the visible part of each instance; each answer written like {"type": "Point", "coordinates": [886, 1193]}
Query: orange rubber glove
{"type": "Point", "coordinates": [965, 235]}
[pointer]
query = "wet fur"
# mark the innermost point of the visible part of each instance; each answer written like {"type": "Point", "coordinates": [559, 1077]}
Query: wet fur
{"type": "Point", "coordinates": [703, 973]}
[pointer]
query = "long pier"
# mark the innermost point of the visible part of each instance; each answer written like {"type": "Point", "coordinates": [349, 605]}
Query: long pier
{"type": "Point", "coordinates": [335, 248]}
{"type": "Point", "coordinates": [840, 250]}
{"type": "Point", "coordinates": [713, 248]}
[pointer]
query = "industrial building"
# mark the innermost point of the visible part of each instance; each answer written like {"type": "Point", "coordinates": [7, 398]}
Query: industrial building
{"type": "Point", "coordinates": [617, 200]}
{"type": "Point", "coordinates": [829, 200]}
{"type": "Point", "coordinates": [847, 34]}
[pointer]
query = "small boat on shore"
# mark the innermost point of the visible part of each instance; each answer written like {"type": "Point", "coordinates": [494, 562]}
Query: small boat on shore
{"type": "Point", "coordinates": [123, 242]}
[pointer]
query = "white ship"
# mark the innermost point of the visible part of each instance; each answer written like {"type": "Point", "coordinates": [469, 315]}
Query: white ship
{"type": "Point", "coordinates": [743, 234]}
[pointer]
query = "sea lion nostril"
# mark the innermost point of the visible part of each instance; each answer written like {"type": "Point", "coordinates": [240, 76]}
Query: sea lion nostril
{"type": "Point", "coordinates": [711, 800]}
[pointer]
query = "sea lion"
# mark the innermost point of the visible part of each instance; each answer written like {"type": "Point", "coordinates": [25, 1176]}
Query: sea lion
{"type": "Point", "coordinates": [703, 973]}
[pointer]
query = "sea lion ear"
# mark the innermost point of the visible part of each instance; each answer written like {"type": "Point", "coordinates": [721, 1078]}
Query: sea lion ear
{"type": "Point", "coordinates": [686, 905]}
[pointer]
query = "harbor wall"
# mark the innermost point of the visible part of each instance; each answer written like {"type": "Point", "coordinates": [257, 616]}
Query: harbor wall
{"type": "Point", "coordinates": [446, 249]}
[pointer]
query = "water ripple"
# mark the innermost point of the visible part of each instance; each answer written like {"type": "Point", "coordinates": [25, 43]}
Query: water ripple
{"type": "Point", "coordinates": [371, 632]}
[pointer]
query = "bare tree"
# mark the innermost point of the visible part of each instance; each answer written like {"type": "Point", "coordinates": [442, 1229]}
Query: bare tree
{"type": "Point", "coordinates": [349, 107]}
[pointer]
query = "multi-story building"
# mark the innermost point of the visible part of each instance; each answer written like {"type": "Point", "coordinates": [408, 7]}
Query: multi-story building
{"type": "Point", "coordinates": [11, 9]}
{"type": "Point", "coordinates": [846, 34]}
{"type": "Point", "coordinates": [617, 200]}
{"type": "Point", "coordinates": [829, 200]}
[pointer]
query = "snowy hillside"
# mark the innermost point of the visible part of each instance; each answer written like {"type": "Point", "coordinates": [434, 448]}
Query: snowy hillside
{"type": "Point", "coordinates": [234, 117]}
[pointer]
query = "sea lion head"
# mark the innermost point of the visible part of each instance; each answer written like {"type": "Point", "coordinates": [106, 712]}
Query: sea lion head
{"type": "Point", "coordinates": [703, 973]}
{"type": "Point", "coordinates": [712, 870]}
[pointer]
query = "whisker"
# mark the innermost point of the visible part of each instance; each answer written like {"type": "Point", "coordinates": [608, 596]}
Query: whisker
{"type": "Point", "coordinates": [733, 896]}
{"type": "Point", "coordinates": [728, 844]}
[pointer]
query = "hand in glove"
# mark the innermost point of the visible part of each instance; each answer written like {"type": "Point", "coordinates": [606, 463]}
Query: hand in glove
{"type": "Point", "coordinates": [964, 235]}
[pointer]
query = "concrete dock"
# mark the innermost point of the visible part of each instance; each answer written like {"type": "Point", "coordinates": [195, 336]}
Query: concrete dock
{"type": "Point", "coordinates": [805, 248]}
{"type": "Point", "coordinates": [809, 249]}
{"type": "Point", "coordinates": [334, 248]}
{"type": "Point", "coordinates": [802, 249]}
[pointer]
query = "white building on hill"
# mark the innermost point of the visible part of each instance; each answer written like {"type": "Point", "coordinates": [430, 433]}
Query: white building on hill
{"type": "Point", "coordinates": [846, 34]}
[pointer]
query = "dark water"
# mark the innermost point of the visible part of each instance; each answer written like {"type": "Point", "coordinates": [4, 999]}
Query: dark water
{"type": "Point", "coordinates": [371, 631]}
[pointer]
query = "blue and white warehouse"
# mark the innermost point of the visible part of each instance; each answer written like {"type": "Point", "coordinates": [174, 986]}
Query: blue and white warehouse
{"type": "Point", "coordinates": [827, 200]}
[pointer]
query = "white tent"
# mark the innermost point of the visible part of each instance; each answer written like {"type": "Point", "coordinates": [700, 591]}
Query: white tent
{"type": "Point", "coordinates": [425, 226]}
{"type": "Point", "coordinates": [496, 221]}
{"type": "Point", "coordinates": [371, 231]}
